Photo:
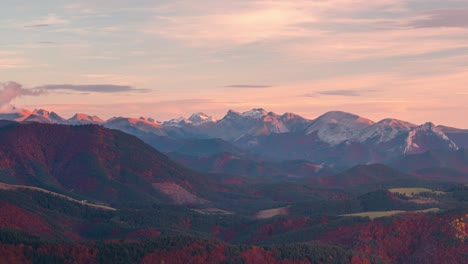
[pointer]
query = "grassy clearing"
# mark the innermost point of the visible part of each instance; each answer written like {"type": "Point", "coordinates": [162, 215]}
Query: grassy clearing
{"type": "Point", "coordinates": [213, 211]}
{"type": "Point", "coordinates": [265, 214]}
{"type": "Point", "coordinates": [374, 215]}
{"type": "Point", "coordinates": [411, 192]}
{"type": "Point", "coordinates": [4, 186]}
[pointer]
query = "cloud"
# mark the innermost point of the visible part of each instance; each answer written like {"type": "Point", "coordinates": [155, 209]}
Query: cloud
{"type": "Point", "coordinates": [11, 90]}
{"type": "Point", "coordinates": [340, 92]}
{"type": "Point", "coordinates": [456, 18]}
{"type": "Point", "coordinates": [49, 20]}
{"type": "Point", "coordinates": [248, 86]}
{"type": "Point", "coordinates": [98, 88]}
{"type": "Point", "coordinates": [228, 23]}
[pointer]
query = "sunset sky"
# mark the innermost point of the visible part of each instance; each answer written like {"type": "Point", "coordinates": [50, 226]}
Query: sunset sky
{"type": "Point", "coordinates": [406, 59]}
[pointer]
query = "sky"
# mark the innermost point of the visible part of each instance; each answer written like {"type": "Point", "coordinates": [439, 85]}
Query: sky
{"type": "Point", "coordinates": [405, 59]}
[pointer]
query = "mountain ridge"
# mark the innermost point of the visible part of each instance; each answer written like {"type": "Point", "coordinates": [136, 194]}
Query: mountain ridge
{"type": "Point", "coordinates": [323, 139]}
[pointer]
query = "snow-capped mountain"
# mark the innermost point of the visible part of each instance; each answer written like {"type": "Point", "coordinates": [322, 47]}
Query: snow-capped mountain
{"type": "Point", "coordinates": [384, 131]}
{"type": "Point", "coordinates": [136, 125]}
{"type": "Point", "coordinates": [178, 122]}
{"type": "Point", "coordinates": [256, 122]}
{"type": "Point", "coordinates": [459, 136]}
{"type": "Point", "coordinates": [44, 116]}
{"type": "Point", "coordinates": [332, 136]}
{"type": "Point", "coordinates": [201, 118]}
{"type": "Point", "coordinates": [426, 137]}
{"type": "Point", "coordinates": [79, 119]}
{"type": "Point", "coordinates": [336, 127]}
{"type": "Point", "coordinates": [194, 120]}
{"type": "Point", "coordinates": [256, 113]}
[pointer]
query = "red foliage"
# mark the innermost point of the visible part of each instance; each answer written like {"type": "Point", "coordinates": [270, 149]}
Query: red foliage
{"type": "Point", "coordinates": [195, 254]}
{"type": "Point", "coordinates": [15, 217]}
{"type": "Point", "coordinates": [14, 254]}
{"type": "Point", "coordinates": [143, 234]}
{"type": "Point", "coordinates": [258, 255]}
{"type": "Point", "coordinates": [282, 225]}
{"type": "Point", "coordinates": [409, 238]}
{"type": "Point", "coordinates": [80, 253]}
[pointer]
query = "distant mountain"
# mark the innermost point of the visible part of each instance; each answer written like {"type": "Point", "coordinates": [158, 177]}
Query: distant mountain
{"type": "Point", "coordinates": [336, 138]}
{"type": "Point", "coordinates": [458, 136]}
{"type": "Point", "coordinates": [364, 175]}
{"type": "Point", "coordinates": [337, 127]}
{"type": "Point", "coordinates": [136, 126]}
{"type": "Point", "coordinates": [426, 137]}
{"type": "Point", "coordinates": [249, 166]}
{"type": "Point", "coordinates": [384, 131]}
{"type": "Point", "coordinates": [44, 116]}
{"type": "Point", "coordinates": [80, 119]}
{"type": "Point", "coordinates": [201, 118]}
{"type": "Point", "coordinates": [257, 122]}
{"type": "Point", "coordinates": [194, 120]}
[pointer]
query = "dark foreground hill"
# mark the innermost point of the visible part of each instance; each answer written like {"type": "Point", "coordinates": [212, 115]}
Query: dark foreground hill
{"type": "Point", "coordinates": [93, 162]}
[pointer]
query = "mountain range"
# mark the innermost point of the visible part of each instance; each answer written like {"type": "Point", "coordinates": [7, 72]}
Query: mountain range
{"type": "Point", "coordinates": [336, 139]}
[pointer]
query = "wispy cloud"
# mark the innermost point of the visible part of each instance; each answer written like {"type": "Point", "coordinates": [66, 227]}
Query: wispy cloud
{"type": "Point", "coordinates": [11, 90]}
{"type": "Point", "coordinates": [214, 23]}
{"type": "Point", "coordinates": [248, 86]}
{"type": "Point", "coordinates": [340, 92]}
{"type": "Point", "coordinates": [49, 20]}
{"type": "Point", "coordinates": [444, 18]}
{"type": "Point", "coordinates": [97, 88]}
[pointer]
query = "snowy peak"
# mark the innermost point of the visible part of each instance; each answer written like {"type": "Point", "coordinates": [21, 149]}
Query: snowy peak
{"type": "Point", "coordinates": [201, 118]}
{"type": "Point", "coordinates": [44, 116]}
{"type": "Point", "coordinates": [255, 113]}
{"type": "Point", "coordinates": [137, 126]}
{"type": "Point", "coordinates": [178, 122]}
{"type": "Point", "coordinates": [335, 117]}
{"type": "Point", "coordinates": [80, 118]}
{"type": "Point", "coordinates": [384, 130]}
{"type": "Point", "coordinates": [425, 137]}
{"type": "Point", "coordinates": [133, 121]}
{"type": "Point", "coordinates": [336, 127]}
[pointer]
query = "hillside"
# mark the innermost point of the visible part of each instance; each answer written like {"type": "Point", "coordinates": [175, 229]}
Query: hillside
{"type": "Point", "coordinates": [93, 162]}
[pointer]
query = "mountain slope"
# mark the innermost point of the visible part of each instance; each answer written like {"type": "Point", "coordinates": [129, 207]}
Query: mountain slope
{"type": "Point", "coordinates": [364, 175]}
{"type": "Point", "coordinates": [81, 119]}
{"type": "Point", "coordinates": [92, 161]}
{"type": "Point", "coordinates": [136, 126]}
{"type": "Point", "coordinates": [459, 136]}
{"type": "Point", "coordinates": [336, 127]}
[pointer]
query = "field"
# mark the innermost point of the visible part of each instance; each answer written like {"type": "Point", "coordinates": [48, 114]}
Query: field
{"type": "Point", "coordinates": [265, 214]}
{"type": "Point", "coordinates": [378, 214]}
{"type": "Point", "coordinates": [410, 192]}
